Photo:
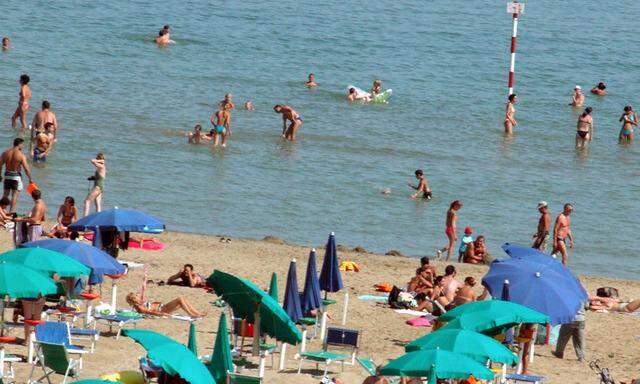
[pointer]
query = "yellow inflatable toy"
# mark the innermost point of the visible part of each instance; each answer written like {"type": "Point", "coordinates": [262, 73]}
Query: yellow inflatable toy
{"type": "Point", "coordinates": [349, 266]}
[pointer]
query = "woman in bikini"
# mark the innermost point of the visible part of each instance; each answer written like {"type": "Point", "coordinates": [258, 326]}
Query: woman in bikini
{"type": "Point", "coordinates": [510, 114]}
{"type": "Point", "coordinates": [628, 119]}
{"type": "Point", "coordinates": [23, 103]}
{"type": "Point", "coordinates": [67, 214]}
{"type": "Point", "coordinates": [159, 309]}
{"type": "Point", "coordinates": [95, 194]}
{"type": "Point", "coordinates": [585, 128]}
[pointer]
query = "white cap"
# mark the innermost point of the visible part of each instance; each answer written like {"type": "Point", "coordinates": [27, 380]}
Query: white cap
{"type": "Point", "coordinates": [542, 204]}
{"type": "Point", "coordinates": [578, 87]}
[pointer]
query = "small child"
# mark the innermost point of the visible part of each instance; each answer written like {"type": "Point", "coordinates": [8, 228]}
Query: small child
{"type": "Point", "coordinates": [466, 239]}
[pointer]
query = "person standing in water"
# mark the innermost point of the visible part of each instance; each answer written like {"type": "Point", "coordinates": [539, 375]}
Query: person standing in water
{"type": "Point", "coordinates": [422, 187]}
{"type": "Point", "coordinates": [221, 122]}
{"type": "Point", "coordinates": [510, 114]}
{"type": "Point", "coordinates": [5, 44]}
{"type": "Point", "coordinates": [450, 230]}
{"type": "Point", "coordinates": [95, 194]}
{"type": "Point", "coordinates": [311, 83]}
{"type": "Point", "coordinates": [544, 226]}
{"type": "Point", "coordinates": [628, 119]}
{"type": "Point", "coordinates": [599, 89]}
{"type": "Point", "coordinates": [562, 232]}
{"type": "Point", "coordinates": [23, 103]}
{"type": "Point", "coordinates": [228, 102]}
{"type": "Point", "coordinates": [289, 115]}
{"type": "Point", "coordinates": [585, 128]}
{"type": "Point", "coordinates": [578, 97]}
{"type": "Point", "coordinates": [45, 116]}
{"type": "Point", "coordinates": [14, 161]}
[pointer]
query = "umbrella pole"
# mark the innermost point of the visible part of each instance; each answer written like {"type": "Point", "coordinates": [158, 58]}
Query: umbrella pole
{"type": "Point", "coordinates": [114, 295]}
{"type": "Point", "coordinates": [283, 352]}
{"type": "Point", "coordinates": [344, 309]}
{"type": "Point", "coordinates": [256, 332]}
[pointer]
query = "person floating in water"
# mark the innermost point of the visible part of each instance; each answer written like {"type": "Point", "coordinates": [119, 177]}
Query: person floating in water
{"type": "Point", "coordinates": [289, 115]}
{"type": "Point", "coordinates": [23, 103]}
{"type": "Point", "coordinates": [599, 89]}
{"type": "Point", "coordinates": [5, 44]}
{"type": "Point", "coordinates": [422, 187]}
{"type": "Point", "coordinates": [164, 36]}
{"type": "Point", "coordinates": [197, 137]}
{"type": "Point", "coordinates": [227, 102]}
{"type": "Point", "coordinates": [510, 114]}
{"type": "Point", "coordinates": [628, 119]}
{"type": "Point", "coordinates": [311, 83]}
{"type": "Point", "coordinates": [354, 95]}
{"type": "Point", "coordinates": [376, 89]}
{"type": "Point", "coordinates": [585, 128]}
{"type": "Point", "coordinates": [578, 97]}
{"type": "Point", "coordinates": [221, 121]}
{"type": "Point", "coordinates": [248, 105]}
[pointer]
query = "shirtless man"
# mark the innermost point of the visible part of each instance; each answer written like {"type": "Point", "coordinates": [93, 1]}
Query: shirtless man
{"type": "Point", "coordinates": [36, 217]}
{"type": "Point", "coordinates": [544, 226]}
{"type": "Point", "coordinates": [562, 231]}
{"type": "Point", "coordinates": [311, 83]}
{"type": "Point", "coordinates": [5, 44]}
{"type": "Point", "coordinates": [599, 89]}
{"type": "Point", "coordinates": [221, 122]}
{"type": "Point", "coordinates": [45, 116]}
{"type": "Point", "coordinates": [163, 37]}
{"type": "Point", "coordinates": [422, 187]}
{"type": "Point", "coordinates": [14, 160]}
{"type": "Point", "coordinates": [450, 284]}
{"type": "Point", "coordinates": [187, 277]}
{"type": "Point", "coordinates": [228, 102]}
{"type": "Point", "coordinates": [196, 137]}
{"type": "Point", "coordinates": [41, 145]}
{"type": "Point", "coordinates": [465, 293]}
{"type": "Point", "coordinates": [289, 115]}
{"type": "Point", "coordinates": [450, 229]}
{"type": "Point", "coordinates": [578, 97]}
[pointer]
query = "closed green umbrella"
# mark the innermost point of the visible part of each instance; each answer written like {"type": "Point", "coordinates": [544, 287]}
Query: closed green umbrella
{"type": "Point", "coordinates": [491, 317]}
{"type": "Point", "coordinates": [18, 281]}
{"type": "Point", "coordinates": [273, 286]}
{"type": "Point", "coordinates": [174, 358]}
{"type": "Point", "coordinates": [436, 364]}
{"type": "Point", "coordinates": [47, 261]}
{"type": "Point", "coordinates": [247, 300]}
{"type": "Point", "coordinates": [475, 345]}
{"type": "Point", "coordinates": [192, 344]}
{"type": "Point", "coordinates": [221, 361]}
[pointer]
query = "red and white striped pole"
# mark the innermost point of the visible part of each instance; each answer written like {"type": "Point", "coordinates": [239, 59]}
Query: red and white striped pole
{"type": "Point", "coordinates": [514, 8]}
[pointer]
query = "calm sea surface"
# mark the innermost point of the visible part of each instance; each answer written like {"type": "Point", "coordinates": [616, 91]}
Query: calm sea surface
{"type": "Point", "coordinates": [115, 91]}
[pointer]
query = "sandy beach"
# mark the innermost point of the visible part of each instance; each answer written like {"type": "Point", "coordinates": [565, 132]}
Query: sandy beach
{"type": "Point", "coordinates": [613, 338]}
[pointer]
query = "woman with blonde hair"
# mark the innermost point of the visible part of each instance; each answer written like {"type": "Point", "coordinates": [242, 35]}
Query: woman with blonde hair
{"type": "Point", "coordinates": [159, 309]}
{"type": "Point", "coordinates": [95, 194]}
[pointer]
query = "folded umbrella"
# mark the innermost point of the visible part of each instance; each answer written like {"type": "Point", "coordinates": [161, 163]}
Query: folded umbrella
{"type": "Point", "coordinates": [291, 303]}
{"type": "Point", "coordinates": [330, 277]}
{"type": "Point", "coordinates": [311, 298]}
{"type": "Point", "coordinates": [221, 360]}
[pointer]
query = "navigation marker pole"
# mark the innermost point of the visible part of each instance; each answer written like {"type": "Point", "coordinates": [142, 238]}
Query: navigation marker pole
{"type": "Point", "coordinates": [515, 8]}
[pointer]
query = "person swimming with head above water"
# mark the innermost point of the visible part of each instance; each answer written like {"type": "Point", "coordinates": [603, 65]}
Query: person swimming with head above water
{"type": "Point", "coordinates": [376, 89]}
{"type": "Point", "coordinates": [578, 97]}
{"type": "Point", "coordinates": [5, 44]}
{"type": "Point", "coordinates": [353, 95]}
{"type": "Point", "coordinates": [599, 89]}
{"type": "Point", "coordinates": [197, 137]}
{"type": "Point", "coordinates": [289, 115]}
{"type": "Point", "coordinates": [163, 37]}
{"type": "Point", "coordinates": [248, 105]}
{"type": "Point", "coordinates": [311, 83]}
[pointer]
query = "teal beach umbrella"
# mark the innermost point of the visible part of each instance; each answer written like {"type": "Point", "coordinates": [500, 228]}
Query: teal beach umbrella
{"type": "Point", "coordinates": [221, 361]}
{"type": "Point", "coordinates": [192, 344]}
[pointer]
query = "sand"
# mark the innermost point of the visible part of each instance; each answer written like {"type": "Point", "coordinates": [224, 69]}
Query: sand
{"type": "Point", "coordinates": [611, 337]}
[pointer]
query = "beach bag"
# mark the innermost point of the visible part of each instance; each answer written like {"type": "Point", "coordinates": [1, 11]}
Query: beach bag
{"type": "Point", "coordinates": [607, 292]}
{"type": "Point", "coordinates": [394, 299]}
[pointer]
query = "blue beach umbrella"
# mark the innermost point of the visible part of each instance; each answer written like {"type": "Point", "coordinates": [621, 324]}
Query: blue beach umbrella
{"type": "Point", "coordinates": [100, 262]}
{"type": "Point", "coordinates": [291, 295]}
{"type": "Point", "coordinates": [118, 219]}
{"type": "Point", "coordinates": [537, 286]}
{"type": "Point", "coordinates": [330, 278]}
{"type": "Point", "coordinates": [311, 294]}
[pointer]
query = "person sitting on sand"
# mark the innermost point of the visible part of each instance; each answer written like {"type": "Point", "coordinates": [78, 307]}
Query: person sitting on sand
{"type": "Point", "coordinates": [476, 252]}
{"type": "Point", "coordinates": [377, 378]}
{"type": "Point", "coordinates": [160, 309]}
{"type": "Point", "coordinates": [5, 216]}
{"type": "Point", "coordinates": [450, 284]}
{"type": "Point", "coordinates": [67, 214]}
{"type": "Point", "coordinates": [599, 89]}
{"type": "Point", "coordinates": [422, 282]}
{"type": "Point", "coordinates": [430, 269]}
{"type": "Point", "coordinates": [466, 295]}
{"type": "Point", "coordinates": [187, 277]}
{"type": "Point", "coordinates": [311, 83]}
{"type": "Point", "coordinates": [464, 243]}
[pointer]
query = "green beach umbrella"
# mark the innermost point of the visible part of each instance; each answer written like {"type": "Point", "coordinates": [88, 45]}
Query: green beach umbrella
{"type": "Point", "coordinates": [18, 281]}
{"type": "Point", "coordinates": [436, 364]}
{"type": "Point", "coordinates": [247, 301]}
{"type": "Point", "coordinates": [192, 344]}
{"type": "Point", "coordinates": [47, 261]}
{"type": "Point", "coordinates": [491, 317]}
{"type": "Point", "coordinates": [221, 361]}
{"type": "Point", "coordinates": [273, 287]}
{"type": "Point", "coordinates": [475, 345]}
{"type": "Point", "coordinates": [174, 358]}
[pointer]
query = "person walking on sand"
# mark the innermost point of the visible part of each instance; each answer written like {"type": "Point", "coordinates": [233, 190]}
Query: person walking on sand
{"type": "Point", "coordinates": [510, 114]}
{"type": "Point", "coordinates": [450, 229]}
{"type": "Point", "coordinates": [23, 102]}
{"type": "Point", "coordinates": [578, 97]}
{"type": "Point", "coordinates": [289, 115]}
{"type": "Point", "coordinates": [95, 194]}
{"type": "Point", "coordinates": [221, 122]}
{"type": "Point", "coordinates": [562, 231]}
{"type": "Point", "coordinates": [584, 133]}
{"type": "Point", "coordinates": [628, 119]}
{"type": "Point", "coordinates": [36, 217]}
{"type": "Point", "coordinates": [541, 238]}
{"type": "Point", "coordinates": [44, 116]}
{"type": "Point", "coordinates": [422, 187]}
{"type": "Point", "coordinates": [14, 161]}
{"type": "Point", "coordinates": [574, 331]}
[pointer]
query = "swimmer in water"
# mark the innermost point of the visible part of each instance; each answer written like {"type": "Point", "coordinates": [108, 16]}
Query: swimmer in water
{"type": "Point", "coordinates": [353, 96]}
{"type": "Point", "coordinates": [221, 121]}
{"type": "Point", "coordinates": [422, 187]}
{"type": "Point", "coordinates": [510, 114]}
{"type": "Point", "coordinates": [5, 44]}
{"type": "Point", "coordinates": [163, 38]}
{"type": "Point", "coordinates": [289, 115]}
{"type": "Point", "coordinates": [23, 103]}
{"type": "Point", "coordinates": [228, 102]}
{"type": "Point", "coordinates": [578, 97]}
{"type": "Point", "coordinates": [248, 106]}
{"type": "Point", "coordinates": [41, 145]}
{"type": "Point", "coordinates": [599, 89]}
{"type": "Point", "coordinates": [311, 83]}
{"type": "Point", "coordinates": [197, 137]}
{"type": "Point", "coordinates": [376, 89]}
{"type": "Point", "coordinates": [628, 119]}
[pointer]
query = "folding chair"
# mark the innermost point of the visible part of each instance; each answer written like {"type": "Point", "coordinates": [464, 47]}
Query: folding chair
{"type": "Point", "coordinates": [55, 357]}
{"type": "Point", "coordinates": [56, 333]}
{"type": "Point", "coordinates": [336, 337]}
{"type": "Point", "coordinates": [8, 360]}
{"type": "Point", "coordinates": [150, 372]}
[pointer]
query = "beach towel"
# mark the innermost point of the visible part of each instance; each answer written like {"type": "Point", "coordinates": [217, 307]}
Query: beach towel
{"type": "Point", "coordinates": [381, 298]}
{"type": "Point", "coordinates": [411, 312]}
{"type": "Point", "coordinates": [419, 322]}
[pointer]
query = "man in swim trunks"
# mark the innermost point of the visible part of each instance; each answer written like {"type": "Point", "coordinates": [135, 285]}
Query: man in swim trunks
{"type": "Point", "coordinates": [450, 229]}
{"type": "Point", "coordinates": [36, 217]}
{"type": "Point", "coordinates": [578, 97]}
{"type": "Point", "coordinates": [43, 117]}
{"type": "Point", "coordinates": [422, 187]}
{"type": "Point", "coordinates": [544, 226]}
{"type": "Point", "coordinates": [41, 145]}
{"type": "Point", "coordinates": [562, 231]}
{"type": "Point", "coordinates": [311, 83]}
{"type": "Point", "coordinates": [289, 115]}
{"type": "Point", "coordinates": [14, 161]}
{"type": "Point", "coordinates": [221, 122]}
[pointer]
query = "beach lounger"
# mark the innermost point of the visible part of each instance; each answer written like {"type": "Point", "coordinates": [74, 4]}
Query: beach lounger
{"type": "Point", "coordinates": [56, 358]}
{"type": "Point", "coordinates": [339, 338]}
{"type": "Point", "coordinates": [7, 360]}
{"type": "Point", "coordinates": [516, 378]}
{"type": "Point", "coordinates": [118, 321]}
